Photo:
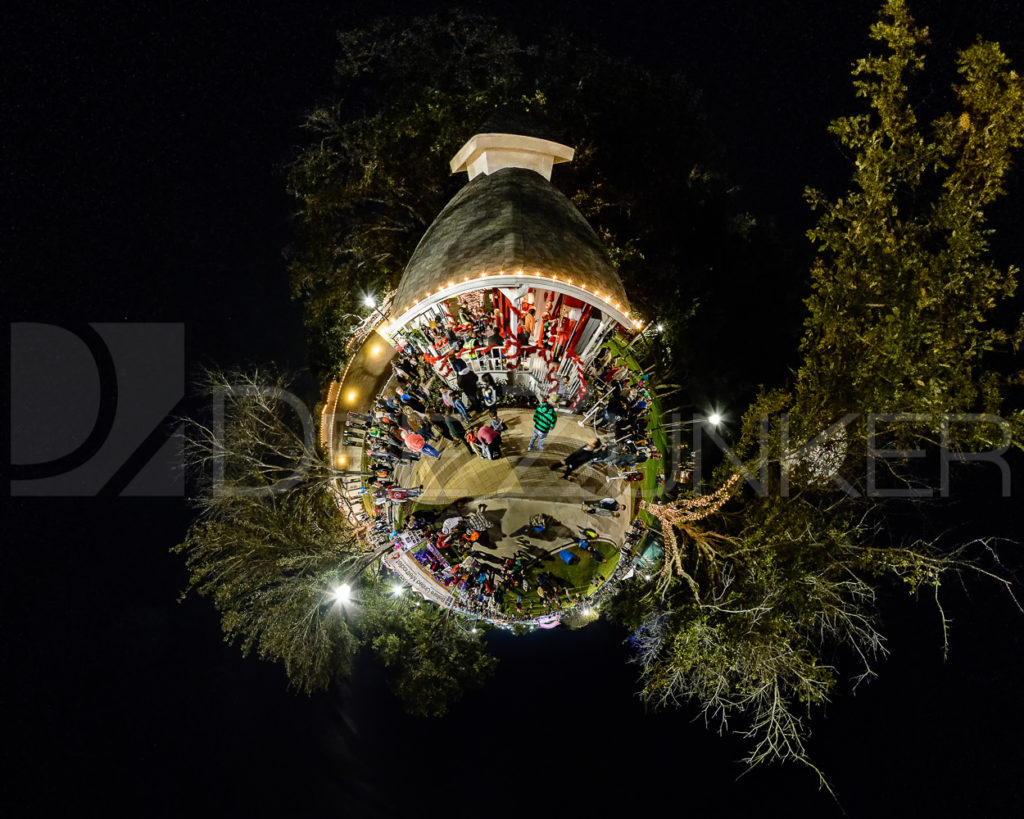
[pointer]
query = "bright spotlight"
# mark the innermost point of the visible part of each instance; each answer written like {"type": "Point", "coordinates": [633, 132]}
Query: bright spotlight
{"type": "Point", "coordinates": [375, 349]}
{"type": "Point", "coordinates": [714, 419]}
{"type": "Point", "coordinates": [341, 460]}
{"type": "Point", "coordinates": [396, 590]}
{"type": "Point", "coordinates": [588, 611]}
{"type": "Point", "coordinates": [352, 396]}
{"type": "Point", "coordinates": [370, 302]}
{"type": "Point", "coordinates": [342, 593]}
{"type": "Point", "coordinates": [660, 327]}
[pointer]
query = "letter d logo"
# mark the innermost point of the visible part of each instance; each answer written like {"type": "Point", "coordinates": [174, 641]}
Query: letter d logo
{"type": "Point", "coordinates": [89, 409]}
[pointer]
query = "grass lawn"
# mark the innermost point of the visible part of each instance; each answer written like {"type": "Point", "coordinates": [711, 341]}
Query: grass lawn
{"type": "Point", "coordinates": [576, 577]}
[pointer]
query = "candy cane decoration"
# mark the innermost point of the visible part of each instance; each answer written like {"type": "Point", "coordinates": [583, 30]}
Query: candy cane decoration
{"type": "Point", "coordinates": [511, 353]}
{"type": "Point", "coordinates": [581, 375]}
{"type": "Point", "coordinates": [552, 367]}
{"type": "Point", "coordinates": [441, 364]}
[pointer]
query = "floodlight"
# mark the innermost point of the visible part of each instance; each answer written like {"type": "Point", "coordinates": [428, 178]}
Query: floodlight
{"type": "Point", "coordinates": [342, 593]}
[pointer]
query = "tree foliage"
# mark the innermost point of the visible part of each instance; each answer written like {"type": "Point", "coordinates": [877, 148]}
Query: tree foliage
{"type": "Point", "coordinates": [270, 549]}
{"type": "Point", "coordinates": [759, 606]}
{"type": "Point", "coordinates": [903, 317]}
{"type": "Point", "coordinates": [269, 568]}
{"type": "Point", "coordinates": [435, 656]}
{"type": "Point", "coordinates": [375, 174]}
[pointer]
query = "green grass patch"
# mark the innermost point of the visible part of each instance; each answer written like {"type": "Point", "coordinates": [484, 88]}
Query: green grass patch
{"type": "Point", "coordinates": [576, 577]}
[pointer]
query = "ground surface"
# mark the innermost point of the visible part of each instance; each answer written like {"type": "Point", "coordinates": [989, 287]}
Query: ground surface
{"type": "Point", "coordinates": [520, 485]}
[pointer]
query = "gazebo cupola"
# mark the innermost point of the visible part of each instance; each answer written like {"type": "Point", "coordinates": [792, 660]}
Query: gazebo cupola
{"type": "Point", "coordinates": [513, 241]}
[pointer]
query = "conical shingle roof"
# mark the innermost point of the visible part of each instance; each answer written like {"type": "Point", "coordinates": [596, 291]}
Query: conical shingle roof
{"type": "Point", "coordinates": [510, 220]}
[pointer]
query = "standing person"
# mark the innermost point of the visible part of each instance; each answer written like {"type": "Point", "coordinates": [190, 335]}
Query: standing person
{"type": "Point", "coordinates": [410, 400]}
{"type": "Point", "coordinates": [460, 407]}
{"type": "Point", "coordinates": [488, 381]}
{"type": "Point", "coordinates": [418, 390]}
{"type": "Point", "coordinates": [613, 412]}
{"type": "Point", "coordinates": [416, 443]}
{"type": "Point", "coordinates": [436, 419]}
{"type": "Point", "coordinates": [495, 421]}
{"type": "Point", "coordinates": [468, 384]}
{"type": "Point", "coordinates": [584, 454]}
{"type": "Point", "coordinates": [606, 507]}
{"type": "Point", "coordinates": [399, 493]}
{"type": "Point", "coordinates": [544, 420]}
{"type": "Point", "coordinates": [426, 429]}
{"type": "Point", "coordinates": [457, 430]}
{"type": "Point", "coordinates": [490, 441]}
{"type": "Point", "coordinates": [412, 365]}
{"type": "Point", "coordinates": [358, 419]}
{"type": "Point", "coordinates": [402, 420]}
{"type": "Point", "coordinates": [529, 322]}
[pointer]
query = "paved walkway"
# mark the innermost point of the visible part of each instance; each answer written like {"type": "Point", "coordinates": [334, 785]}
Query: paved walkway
{"type": "Point", "coordinates": [520, 485]}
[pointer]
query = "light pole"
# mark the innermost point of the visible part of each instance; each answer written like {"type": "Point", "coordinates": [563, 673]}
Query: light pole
{"type": "Point", "coordinates": [714, 419]}
{"type": "Point", "coordinates": [371, 302]}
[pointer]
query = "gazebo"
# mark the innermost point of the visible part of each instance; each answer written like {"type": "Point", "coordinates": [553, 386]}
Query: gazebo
{"type": "Point", "coordinates": [507, 244]}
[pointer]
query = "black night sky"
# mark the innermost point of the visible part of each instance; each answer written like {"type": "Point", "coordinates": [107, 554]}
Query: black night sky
{"type": "Point", "coordinates": [144, 157]}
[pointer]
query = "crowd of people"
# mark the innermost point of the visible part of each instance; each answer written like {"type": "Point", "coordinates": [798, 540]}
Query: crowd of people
{"type": "Point", "coordinates": [480, 587]}
{"type": "Point", "coordinates": [419, 414]}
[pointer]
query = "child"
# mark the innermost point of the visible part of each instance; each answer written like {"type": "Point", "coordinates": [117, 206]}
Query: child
{"type": "Point", "coordinates": [496, 422]}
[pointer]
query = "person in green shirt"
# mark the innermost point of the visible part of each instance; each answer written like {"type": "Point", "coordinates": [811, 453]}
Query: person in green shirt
{"type": "Point", "coordinates": [544, 419]}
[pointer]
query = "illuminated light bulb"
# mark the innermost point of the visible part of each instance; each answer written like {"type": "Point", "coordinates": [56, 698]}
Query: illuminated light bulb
{"type": "Point", "coordinates": [342, 593]}
{"type": "Point", "coordinates": [553, 276]}
{"type": "Point", "coordinates": [714, 419]}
